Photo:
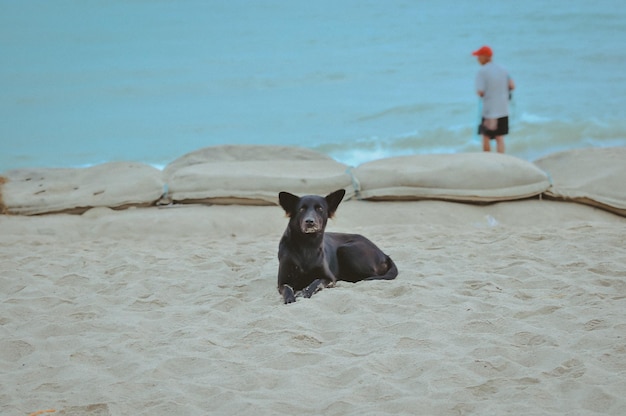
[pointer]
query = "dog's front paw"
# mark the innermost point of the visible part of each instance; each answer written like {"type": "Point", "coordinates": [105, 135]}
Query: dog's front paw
{"type": "Point", "coordinates": [313, 288]}
{"type": "Point", "coordinates": [288, 294]}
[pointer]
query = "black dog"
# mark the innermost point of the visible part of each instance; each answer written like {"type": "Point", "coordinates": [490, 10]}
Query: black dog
{"type": "Point", "coordinates": [310, 259]}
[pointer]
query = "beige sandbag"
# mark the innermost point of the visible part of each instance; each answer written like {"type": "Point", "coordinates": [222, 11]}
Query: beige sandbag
{"type": "Point", "coordinates": [115, 185]}
{"type": "Point", "coordinates": [593, 176]}
{"type": "Point", "coordinates": [253, 175]}
{"type": "Point", "coordinates": [257, 182]}
{"type": "Point", "coordinates": [473, 177]}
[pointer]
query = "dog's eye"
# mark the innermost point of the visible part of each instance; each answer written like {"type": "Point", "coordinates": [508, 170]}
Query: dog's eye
{"type": "Point", "coordinates": [302, 209]}
{"type": "Point", "coordinates": [319, 208]}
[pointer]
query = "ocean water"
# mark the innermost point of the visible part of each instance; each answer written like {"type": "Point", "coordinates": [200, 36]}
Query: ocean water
{"type": "Point", "coordinates": [84, 82]}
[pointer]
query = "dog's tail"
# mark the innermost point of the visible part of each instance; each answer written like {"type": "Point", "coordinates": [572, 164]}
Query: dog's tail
{"type": "Point", "coordinates": [392, 271]}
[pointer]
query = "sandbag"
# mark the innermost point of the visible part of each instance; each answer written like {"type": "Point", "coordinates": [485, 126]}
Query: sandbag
{"type": "Point", "coordinates": [253, 175]}
{"type": "Point", "coordinates": [593, 176]}
{"type": "Point", "coordinates": [468, 177]}
{"type": "Point", "coordinates": [116, 185]}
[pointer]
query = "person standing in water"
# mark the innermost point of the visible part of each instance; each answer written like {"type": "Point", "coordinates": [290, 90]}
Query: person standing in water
{"type": "Point", "coordinates": [494, 86]}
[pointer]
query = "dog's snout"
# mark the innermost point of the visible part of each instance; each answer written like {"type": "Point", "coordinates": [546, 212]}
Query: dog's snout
{"type": "Point", "coordinates": [310, 223]}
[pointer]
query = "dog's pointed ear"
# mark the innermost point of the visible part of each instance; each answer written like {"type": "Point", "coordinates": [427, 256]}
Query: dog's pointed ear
{"type": "Point", "coordinates": [333, 200]}
{"type": "Point", "coordinates": [289, 202]}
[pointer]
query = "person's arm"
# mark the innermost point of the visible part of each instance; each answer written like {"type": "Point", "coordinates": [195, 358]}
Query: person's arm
{"type": "Point", "coordinates": [511, 88]}
{"type": "Point", "coordinates": [480, 84]}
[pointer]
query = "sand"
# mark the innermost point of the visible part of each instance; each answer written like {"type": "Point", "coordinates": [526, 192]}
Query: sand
{"type": "Point", "coordinates": [510, 308]}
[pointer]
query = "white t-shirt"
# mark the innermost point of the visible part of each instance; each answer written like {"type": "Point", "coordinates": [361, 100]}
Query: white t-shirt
{"type": "Point", "coordinates": [493, 80]}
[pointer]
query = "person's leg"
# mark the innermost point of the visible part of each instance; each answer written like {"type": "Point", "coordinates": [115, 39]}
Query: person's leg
{"type": "Point", "coordinates": [501, 130]}
{"type": "Point", "coordinates": [500, 144]}
{"type": "Point", "coordinates": [486, 144]}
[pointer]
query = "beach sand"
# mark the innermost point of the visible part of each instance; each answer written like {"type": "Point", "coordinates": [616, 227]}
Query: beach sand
{"type": "Point", "coordinates": [509, 308]}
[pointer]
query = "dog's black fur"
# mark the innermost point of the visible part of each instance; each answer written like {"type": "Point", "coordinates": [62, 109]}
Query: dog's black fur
{"type": "Point", "coordinates": [311, 259]}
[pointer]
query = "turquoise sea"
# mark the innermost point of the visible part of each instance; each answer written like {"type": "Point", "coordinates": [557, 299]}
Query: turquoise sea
{"type": "Point", "coordinates": [84, 82]}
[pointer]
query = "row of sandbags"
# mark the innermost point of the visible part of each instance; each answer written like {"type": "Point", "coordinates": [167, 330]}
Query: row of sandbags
{"type": "Point", "coordinates": [254, 175]}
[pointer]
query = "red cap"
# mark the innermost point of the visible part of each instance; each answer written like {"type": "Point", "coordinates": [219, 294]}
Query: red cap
{"type": "Point", "coordinates": [484, 51]}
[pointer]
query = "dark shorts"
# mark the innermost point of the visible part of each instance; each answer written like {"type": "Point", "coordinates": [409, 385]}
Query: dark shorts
{"type": "Point", "coordinates": [501, 129]}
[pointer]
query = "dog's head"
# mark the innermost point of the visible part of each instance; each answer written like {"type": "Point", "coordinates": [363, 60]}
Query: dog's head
{"type": "Point", "coordinates": [309, 214]}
